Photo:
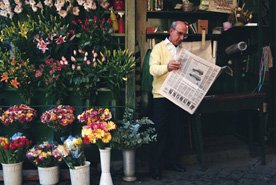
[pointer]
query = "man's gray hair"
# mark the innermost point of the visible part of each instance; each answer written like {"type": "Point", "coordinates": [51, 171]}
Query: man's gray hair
{"type": "Point", "coordinates": [173, 25]}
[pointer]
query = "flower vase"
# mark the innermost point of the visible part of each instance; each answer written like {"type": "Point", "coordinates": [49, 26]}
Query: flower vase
{"type": "Point", "coordinates": [12, 173]}
{"type": "Point", "coordinates": [80, 175]}
{"type": "Point", "coordinates": [106, 178]}
{"type": "Point", "coordinates": [129, 165]}
{"type": "Point", "coordinates": [48, 175]}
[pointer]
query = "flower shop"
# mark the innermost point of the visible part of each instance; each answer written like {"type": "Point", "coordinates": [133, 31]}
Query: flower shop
{"type": "Point", "coordinates": [66, 74]}
{"type": "Point", "coordinates": [74, 85]}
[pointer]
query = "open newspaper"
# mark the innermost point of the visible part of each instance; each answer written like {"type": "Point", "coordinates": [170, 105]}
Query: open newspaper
{"type": "Point", "coordinates": [187, 86]}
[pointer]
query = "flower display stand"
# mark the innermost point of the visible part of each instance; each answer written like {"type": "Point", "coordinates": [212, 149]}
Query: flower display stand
{"type": "Point", "coordinates": [106, 178]}
{"type": "Point", "coordinates": [81, 174]}
{"type": "Point", "coordinates": [12, 173]}
{"type": "Point", "coordinates": [48, 175]}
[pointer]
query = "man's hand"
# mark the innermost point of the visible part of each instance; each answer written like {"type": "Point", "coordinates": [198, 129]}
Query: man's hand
{"type": "Point", "coordinates": [173, 65]}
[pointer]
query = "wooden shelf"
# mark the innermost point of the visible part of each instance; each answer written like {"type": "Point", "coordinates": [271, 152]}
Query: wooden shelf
{"type": "Point", "coordinates": [185, 15]}
{"type": "Point", "coordinates": [118, 34]}
{"type": "Point", "coordinates": [191, 37]}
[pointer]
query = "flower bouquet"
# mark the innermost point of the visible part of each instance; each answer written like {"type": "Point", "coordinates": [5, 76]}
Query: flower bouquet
{"type": "Point", "coordinates": [12, 153]}
{"type": "Point", "coordinates": [44, 155]}
{"type": "Point", "coordinates": [18, 74]}
{"type": "Point", "coordinates": [72, 152]}
{"type": "Point", "coordinates": [59, 118]}
{"type": "Point", "coordinates": [18, 113]}
{"type": "Point", "coordinates": [98, 126]}
{"type": "Point", "coordinates": [98, 131]}
{"type": "Point", "coordinates": [18, 116]}
{"type": "Point", "coordinates": [46, 158]}
{"type": "Point", "coordinates": [13, 150]}
{"type": "Point", "coordinates": [133, 133]}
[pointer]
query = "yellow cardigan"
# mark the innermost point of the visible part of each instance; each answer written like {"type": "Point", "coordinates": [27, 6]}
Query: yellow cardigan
{"type": "Point", "coordinates": [159, 58]}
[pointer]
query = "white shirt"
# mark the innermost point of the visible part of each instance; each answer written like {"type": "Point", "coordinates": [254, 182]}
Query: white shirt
{"type": "Point", "coordinates": [175, 51]}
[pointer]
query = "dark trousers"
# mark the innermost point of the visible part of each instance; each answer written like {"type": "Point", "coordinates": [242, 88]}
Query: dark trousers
{"type": "Point", "coordinates": [169, 121]}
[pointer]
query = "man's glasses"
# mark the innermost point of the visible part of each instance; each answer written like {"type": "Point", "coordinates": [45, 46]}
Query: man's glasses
{"type": "Point", "coordinates": [185, 36]}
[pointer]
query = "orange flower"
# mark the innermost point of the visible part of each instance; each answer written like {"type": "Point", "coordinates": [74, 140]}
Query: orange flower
{"type": "Point", "coordinates": [4, 77]}
{"type": "Point", "coordinates": [15, 83]}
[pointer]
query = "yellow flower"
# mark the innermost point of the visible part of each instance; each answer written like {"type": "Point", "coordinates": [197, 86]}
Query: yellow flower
{"type": "Point", "coordinates": [111, 125]}
{"type": "Point", "coordinates": [53, 116]}
{"type": "Point", "coordinates": [63, 150]}
{"type": "Point", "coordinates": [86, 132]}
{"type": "Point", "coordinates": [23, 30]}
{"type": "Point", "coordinates": [78, 141]}
{"type": "Point", "coordinates": [2, 36]}
{"type": "Point", "coordinates": [44, 154]}
{"type": "Point", "coordinates": [3, 141]}
{"type": "Point", "coordinates": [29, 114]}
{"type": "Point", "coordinates": [99, 133]}
{"type": "Point", "coordinates": [107, 137]}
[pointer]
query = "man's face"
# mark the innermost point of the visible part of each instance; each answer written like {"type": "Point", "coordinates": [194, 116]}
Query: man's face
{"type": "Point", "coordinates": [178, 34]}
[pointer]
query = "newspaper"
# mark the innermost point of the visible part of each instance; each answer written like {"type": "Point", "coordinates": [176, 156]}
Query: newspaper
{"type": "Point", "coordinates": [187, 86]}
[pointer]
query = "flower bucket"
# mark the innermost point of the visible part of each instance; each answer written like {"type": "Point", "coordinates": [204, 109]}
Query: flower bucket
{"type": "Point", "coordinates": [81, 174]}
{"type": "Point", "coordinates": [12, 173]}
{"type": "Point", "coordinates": [106, 178]}
{"type": "Point", "coordinates": [129, 165]}
{"type": "Point", "coordinates": [48, 175]}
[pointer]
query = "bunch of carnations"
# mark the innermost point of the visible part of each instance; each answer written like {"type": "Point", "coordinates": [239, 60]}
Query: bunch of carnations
{"type": "Point", "coordinates": [99, 127]}
{"type": "Point", "coordinates": [44, 155]}
{"type": "Point", "coordinates": [59, 117]}
{"type": "Point", "coordinates": [72, 152]}
{"type": "Point", "coordinates": [20, 114]}
{"type": "Point", "coordinates": [13, 150]}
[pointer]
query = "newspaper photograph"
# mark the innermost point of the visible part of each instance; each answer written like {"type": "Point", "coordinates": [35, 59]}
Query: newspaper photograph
{"type": "Point", "coordinates": [187, 86]}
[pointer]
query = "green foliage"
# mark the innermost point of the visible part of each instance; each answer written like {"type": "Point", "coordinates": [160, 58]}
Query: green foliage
{"type": "Point", "coordinates": [133, 133]}
{"type": "Point", "coordinates": [118, 64]}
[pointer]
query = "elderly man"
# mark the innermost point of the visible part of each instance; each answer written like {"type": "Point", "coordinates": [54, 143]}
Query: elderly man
{"type": "Point", "coordinates": [168, 117]}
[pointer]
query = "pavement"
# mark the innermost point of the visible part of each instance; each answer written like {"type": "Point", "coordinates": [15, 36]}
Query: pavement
{"type": "Point", "coordinates": [231, 165]}
{"type": "Point", "coordinates": [234, 172]}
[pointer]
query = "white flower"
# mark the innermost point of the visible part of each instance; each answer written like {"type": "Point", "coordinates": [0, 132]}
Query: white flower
{"type": "Point", "coordinates": [80, 2]}
{"type": "Point", "coordinates": [63, 13]}
{"type": "Point", "coordinates": [18, 9]}
{"type": "Point", "coordinates": [48, 3]}
{"type": "Point", "coordinates": [76, 11]}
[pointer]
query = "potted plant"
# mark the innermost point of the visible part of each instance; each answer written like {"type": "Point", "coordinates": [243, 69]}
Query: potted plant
{"type": "Point", "coordinates": [123, 62]}
{"type": "Point", "coordinates": [46, 157]}
{"type": "Point", "coordinates": [12, 152]}
{"type": "Point", "coordinates": [240, 16]}
{"type": "Point", "coordinates": [131, 134]}
{"type": "Point", "coordinates": [98, 130]}
{"type": "Point", "coordinates": [72, 152]}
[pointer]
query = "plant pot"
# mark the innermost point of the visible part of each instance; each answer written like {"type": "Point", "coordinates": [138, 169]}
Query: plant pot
{"type": "Point", "coordinates": [81, 174]}
{"type": "Point", "coordinates": [129, 165]}
{"type": "Point", "coordinates": [106, 178]}
{"type": "Point", "coordinates": [48, 175]}
{"type": "Point", "coordinates": [12, 173]}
